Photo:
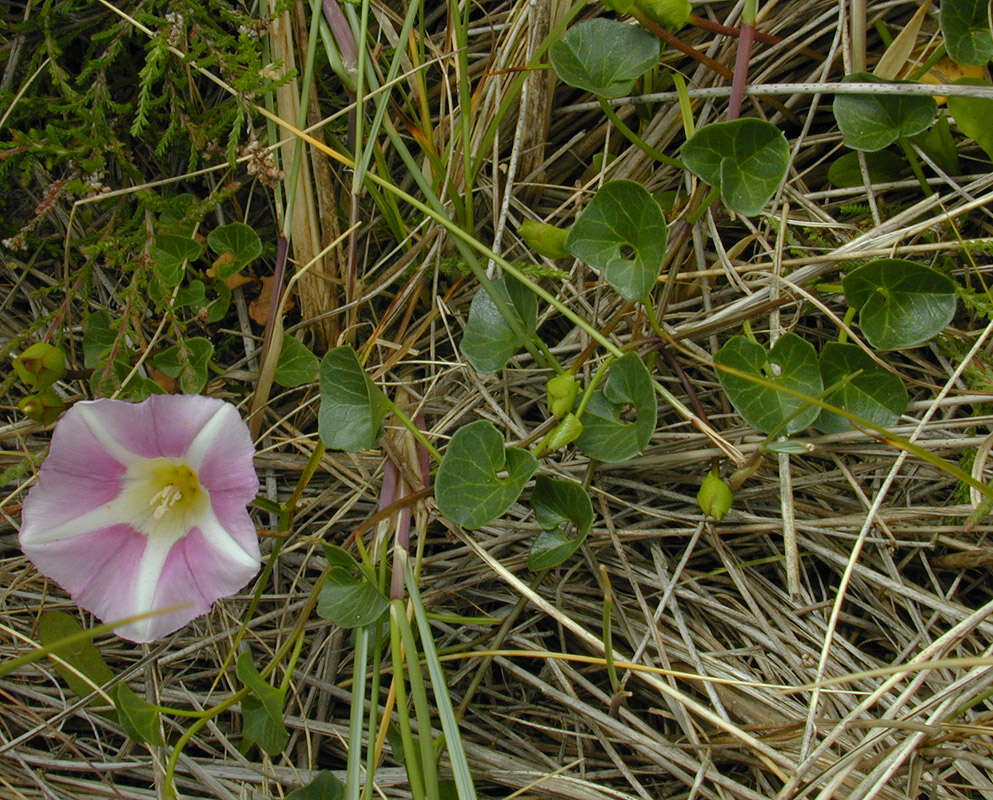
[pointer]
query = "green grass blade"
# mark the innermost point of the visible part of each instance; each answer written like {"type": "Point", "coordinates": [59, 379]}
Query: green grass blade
{"type": "Point", "coordinates": [443, 703]}
{"type": "Point", "coordinates": [353, 777]}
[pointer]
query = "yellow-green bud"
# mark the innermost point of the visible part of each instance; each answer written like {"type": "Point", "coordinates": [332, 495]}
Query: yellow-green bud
{"type": "Point", "coordinates": [566, 431]}
{"type": "Point", "coordinates": [620, 6]}
{"type": "Point", "coordinates": [670, 14]}
{"type": "Point", "coordinates": [561, 392]}
{"type": "Point", "coordinates": [543, 238]}
{"type": "Point", "coordinates": [714, 497]}
{"type": "Point", "coordinates": [40, 365]}
{"type": "Point", "coordinates": [44, 407]}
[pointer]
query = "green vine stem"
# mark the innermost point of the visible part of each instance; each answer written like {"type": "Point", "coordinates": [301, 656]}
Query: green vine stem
{"type": "Point", "coordinates": [849, 318]}
{"type": "Point", "coordinates": [877, 431]}
{"type": "Point", "coordinates": [636, 140]}
{"type": "Point", "coordinates": [177, 750]}
{"type": "Point", "coordinates": [608, 646]}
{"type": "Point", "coordinates": [592, 385]}
{"type": "Point", "coordinates": [915, 165]}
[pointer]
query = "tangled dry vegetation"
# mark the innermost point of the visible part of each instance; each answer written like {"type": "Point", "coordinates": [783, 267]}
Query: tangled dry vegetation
{"type": "Point", "coordinates": [717, 654]}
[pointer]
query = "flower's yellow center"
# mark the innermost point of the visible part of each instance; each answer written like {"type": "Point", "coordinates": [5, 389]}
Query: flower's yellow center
{"type": "Point", "coordinates": [179, 490]}
{"type": "Point", "coordinates": [167, 495]}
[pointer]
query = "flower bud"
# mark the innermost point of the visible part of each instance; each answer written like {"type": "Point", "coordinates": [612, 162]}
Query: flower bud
{"type": "Point", "coordinates": [566, 431]}
{"type": "Point", "coordinates": [543, 238]}
{"type": "Point", "coordinates": [40, 365]}
{"type": "Point", "coordinates": [714, 497]}
{"type": "Point", "coordinates": [561, 392]}
{"type": "Point", "coordinates": [670, 14]}
{"type": "Point", "coordinates": [44, 407]}
{"type": "Point", "coordinates": [620, 6]}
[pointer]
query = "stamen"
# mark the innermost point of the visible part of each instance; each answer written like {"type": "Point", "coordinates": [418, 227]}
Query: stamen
{"type": "Point", "coordinates": [165, 499]}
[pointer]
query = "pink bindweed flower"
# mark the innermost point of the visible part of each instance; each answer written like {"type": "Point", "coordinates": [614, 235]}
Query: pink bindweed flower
{"type": "Point", "coordinates": [141, 506]}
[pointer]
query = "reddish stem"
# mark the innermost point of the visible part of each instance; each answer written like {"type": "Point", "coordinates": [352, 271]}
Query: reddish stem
{"type": "Point", "coordinates": [687, 384]}
{"type": "Point", "coordinates": [682, 47]}
{"type": "Point", "coordinates": [765, 38]}
{"type": "Point", "coordinates": [342, 33]}
{"type": "Point", "coordinates": [278, 277]}
{"type": "Point", "coordinates": [740, 79]}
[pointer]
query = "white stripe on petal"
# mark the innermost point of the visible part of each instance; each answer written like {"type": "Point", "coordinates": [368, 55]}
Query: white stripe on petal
{"type": "Point", "coordinates": [218, 537]}
{"type": "Point", "coordinates": [106, 438]}
{"type": "Point", "coordinates": [147, 579]}
{"type": "Point", "coordinates": [113, 513]}
{"type": "Point", "coordinates": [212, 429]}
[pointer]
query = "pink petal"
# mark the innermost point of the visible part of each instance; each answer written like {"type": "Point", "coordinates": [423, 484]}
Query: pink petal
{"type": "Point", "coordinates": [197, 573]}
{"type": "Point", "coordinates": [234, 519]}
{"type": "Point", "coordinates": [223, 454]}
{"type": "Point", "coordinates": [227, 472]}
{"type": "Point", "coordinates": [161, 426]}
{"type": "Point", "coordinates": [97, 568]}
{"type": "Point", "coordinates": [77, 476]}
{"type": "Point", "coordinates": [113, 573]}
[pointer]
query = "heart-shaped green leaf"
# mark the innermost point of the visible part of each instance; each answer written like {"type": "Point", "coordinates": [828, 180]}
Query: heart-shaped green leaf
{"type": "Point", "coordinates": [791, 363]}
{"type": "Point", "coordinates": [296, 365]}
{"type": "Point", "coordinates": [349, 596]}
{"type": "Point", "coordinates": [218, 307]}
{"type": "Point", "coordinates": [236, 245]}
{"type": "Point", "coordinates": [609, 434]}
{"type": "Point", "coordinates": [325, 786]}
{"type": "Point", "coordinates": [565, 513]}
{"type": "Point", "coordinates": [745, 158]}
{"type": "Point", "coordinates": [99, 336]}
{"type": "Point", "coordinates": [138, 717]}
{"type": "Point", "coordinates": [604, 56]}
{"type": "Point", "coordinates": [871, 122]}
{"type": "Point", "coordinates": [939, 145]}
{"type": "Point", "coordinates": [170, 253]}
{"type": "Point", "coordinates": [966, 27]}
{"type": "Point", "coordinates": [488, 341]}
{"type": "Point", "coordinates": [194, 295]}
{"type": "Point", "coordinates": [261, 729]}
{"type": "Point", "coordinates": [622, 233]}
{"type": "Point", "coordinates": [352, 406]}
{"type": "Point", "coordinates": [177, 214]}
{"type": "Point", "coordinates": [901, 304]}
{"type": "Point", "coordinates": [973, 115]}
{"type": "Point", "coordinates": [196, 354]}
{"type": "Point", "coordinates": [263, 710]}
{"type": "Point", "coordinates": [845, 171]}
{"type": "Point", "coordinates": [868, 390]}
{"type": "Point", "coordinates": [84, 656]}
{"type": "Point", "coordinates": [479, 476]}
{"type": "Point", "coordinates": [187, 363]}
{"type": "Point", "coordinates": [270, 697]}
